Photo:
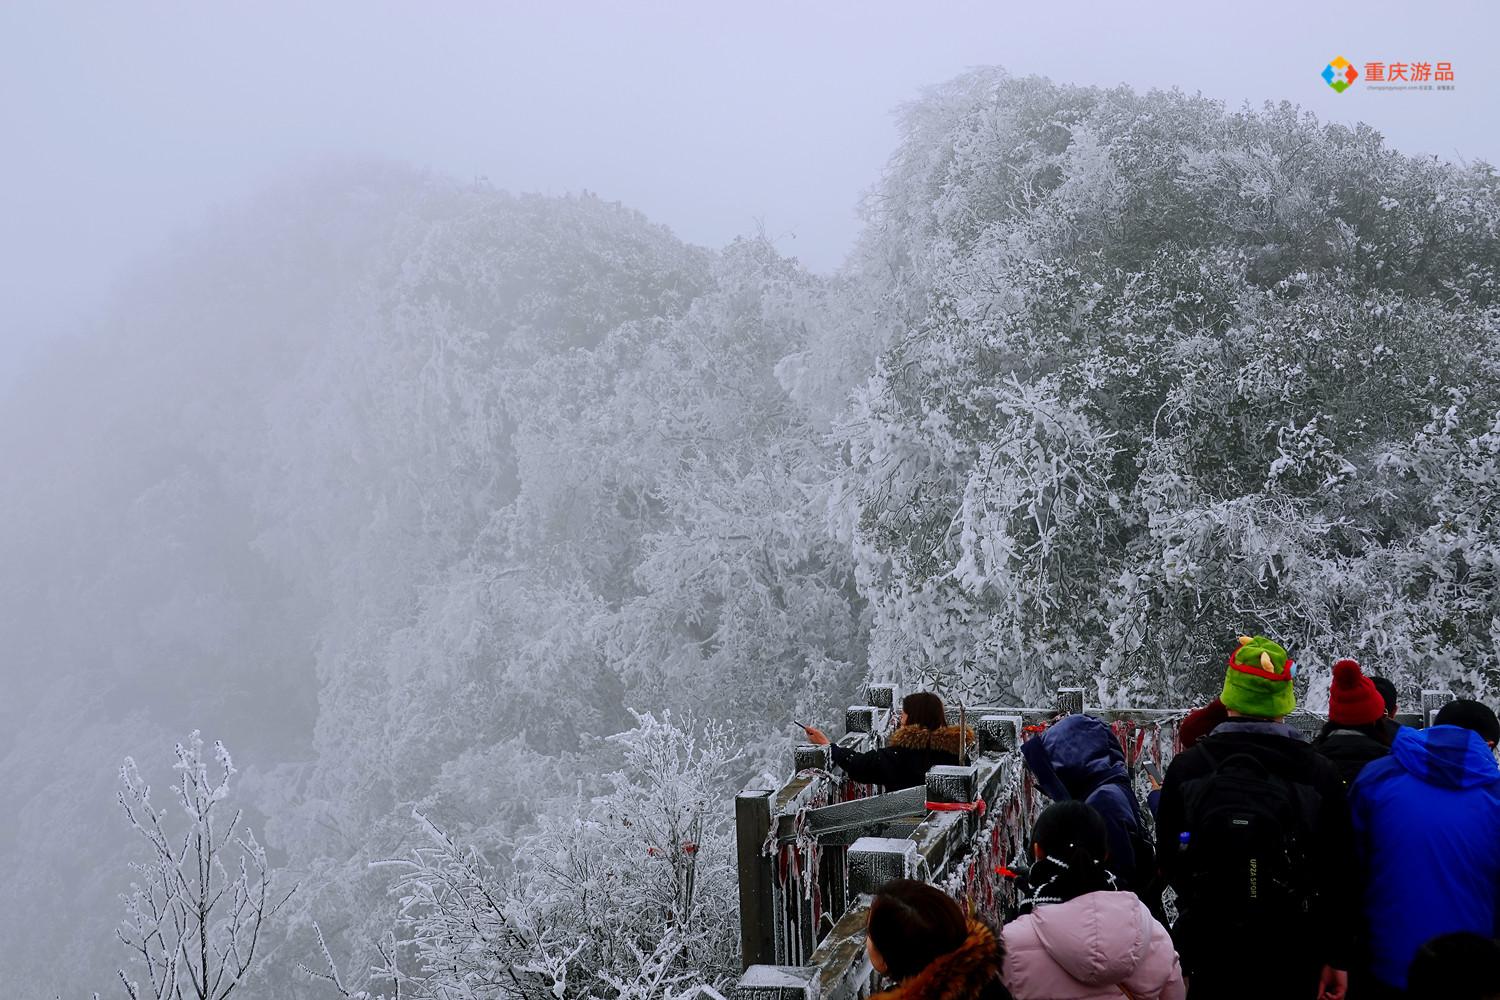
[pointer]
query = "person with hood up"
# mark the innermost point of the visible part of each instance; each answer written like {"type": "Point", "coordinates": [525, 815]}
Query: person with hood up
{"type": "Point", "coordinates": [1358, 729]}
{"type": "Point", "coordinates": [1078, 757]}
{"type": "Point", "coordinates": [1078, 937]}
{"type": "Point", "coordinates": [919, 936]}
{"type": "Point", "coordinates": [1427, 828]}
{"type": "Point", "coordinates": [921, 742]}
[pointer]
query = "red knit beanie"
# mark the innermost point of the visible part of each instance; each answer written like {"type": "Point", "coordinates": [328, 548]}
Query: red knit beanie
{"type": "Point", "coordinates": [1353, 700]}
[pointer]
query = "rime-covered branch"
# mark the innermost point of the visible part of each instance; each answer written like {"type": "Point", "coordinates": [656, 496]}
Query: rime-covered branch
{"type": "Point", "coordinates": [192, 924]}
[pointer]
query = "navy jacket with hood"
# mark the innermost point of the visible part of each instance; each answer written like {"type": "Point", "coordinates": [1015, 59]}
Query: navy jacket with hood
{"type": "Point", "coordinates": [1427, 824]}
{"type": "Point", "coordinates": [1078, 757]}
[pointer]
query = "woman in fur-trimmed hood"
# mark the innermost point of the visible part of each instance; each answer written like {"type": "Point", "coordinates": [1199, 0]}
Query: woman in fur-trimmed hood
{"type": "Point", "coordinates": [923, 741]}
{"type": "Point", "coordinates": [919, 936]}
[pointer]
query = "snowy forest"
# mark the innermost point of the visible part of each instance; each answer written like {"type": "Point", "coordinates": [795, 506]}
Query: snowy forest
{"type": "Point", "coordinates": [501, 538]}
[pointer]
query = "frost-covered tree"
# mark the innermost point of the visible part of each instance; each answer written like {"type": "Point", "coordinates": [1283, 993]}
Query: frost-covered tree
{"type": "Point", "coordinates": [424, 486]}
{"type": "Point", "coordinates": [628, 896]}
{"type": "Point", "coordinates": [197, 913]}
{"type": "Point", "coordinates": [672, 469]}
{"type": "Point", "coordinates": [1169, 376]}
{"type": "Point", "coordinates": [640, 881]}
{"type": "Point", "coordinates": [448, 664]}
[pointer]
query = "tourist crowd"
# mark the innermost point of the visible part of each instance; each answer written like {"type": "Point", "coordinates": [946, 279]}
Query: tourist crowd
{"type": "Point", "coordinates": [1362, 864]}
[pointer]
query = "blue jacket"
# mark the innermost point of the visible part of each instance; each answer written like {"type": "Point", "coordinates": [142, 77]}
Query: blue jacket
{"type": "Point", "coordinates": [1427, 826]}
{"type": "Point", "coordinates": [1078, 757]}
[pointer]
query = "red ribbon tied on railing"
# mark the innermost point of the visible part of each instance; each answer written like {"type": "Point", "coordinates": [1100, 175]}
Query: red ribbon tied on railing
{"type": "Point", "coordinates": [976, 806]}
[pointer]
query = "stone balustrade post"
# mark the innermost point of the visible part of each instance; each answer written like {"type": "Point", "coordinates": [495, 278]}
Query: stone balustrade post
{"type": "Point", "coordinates": [874, 861]}
{"type": "Point", "coordinates": [1432, 703]}
{"type": "Point", "coordinates": [859, 719]}
{"type": "Point", "coordinates": [811, 755]}
{"type": "Point", "coordinates": [998, 734]}
{"type": "Point", "coordinates": [881, 696]}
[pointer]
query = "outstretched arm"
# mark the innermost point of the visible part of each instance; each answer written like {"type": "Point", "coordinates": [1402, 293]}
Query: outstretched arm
{"type": "Point", "coordinates": [868, 767]}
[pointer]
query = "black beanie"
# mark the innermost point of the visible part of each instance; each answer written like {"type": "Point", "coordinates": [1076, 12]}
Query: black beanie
{"type": "Point", "coordinates": [1470, 715]}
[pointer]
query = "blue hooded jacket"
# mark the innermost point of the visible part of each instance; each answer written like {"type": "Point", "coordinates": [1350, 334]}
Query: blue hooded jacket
{"type": "Point", "coordinates": [1078, 757]}
{"type": "Point", "coordinates": [1427, 824]}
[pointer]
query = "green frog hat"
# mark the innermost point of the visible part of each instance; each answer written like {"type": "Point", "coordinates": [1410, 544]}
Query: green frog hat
{"type": "Point", "coordinates": [1259, 679]}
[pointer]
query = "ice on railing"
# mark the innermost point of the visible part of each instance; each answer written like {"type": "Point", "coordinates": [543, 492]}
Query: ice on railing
{"type": "Point", "coordinates": [820, 856]}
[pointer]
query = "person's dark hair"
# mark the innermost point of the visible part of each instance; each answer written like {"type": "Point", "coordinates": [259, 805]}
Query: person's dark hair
{"type": "Point", "coordinates": [1073, 832]}
{"type": "Point", "coordinates": [924, 709]}
{"type": "Point", "coordinates": [912, 923]}
{"type": "Point", "coordinates": [1387, 689]}
{"type": "Point", "coordinates": [1471, 715]}
{"type": "Point", "coordinates": [1459, 966]}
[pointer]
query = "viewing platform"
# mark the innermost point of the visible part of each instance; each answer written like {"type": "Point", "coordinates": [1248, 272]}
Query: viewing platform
{"type": "Point", "coordinates": [813, 851]}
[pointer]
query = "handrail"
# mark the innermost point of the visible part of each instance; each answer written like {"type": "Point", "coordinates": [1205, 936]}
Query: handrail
{"type": "Point", "coordinates": [812, 851]}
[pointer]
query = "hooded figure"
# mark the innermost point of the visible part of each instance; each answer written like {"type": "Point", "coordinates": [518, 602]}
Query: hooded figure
{"type": "Point", "coordinates": [1200, 722]}
{"type": "Point", "coordinates": [1079, 758]}
{"type": "Point", "coordinates": [1427, 826]}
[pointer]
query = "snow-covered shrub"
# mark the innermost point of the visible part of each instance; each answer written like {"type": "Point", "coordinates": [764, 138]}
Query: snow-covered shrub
{"type": "Point", "coordinates": [629, 896]}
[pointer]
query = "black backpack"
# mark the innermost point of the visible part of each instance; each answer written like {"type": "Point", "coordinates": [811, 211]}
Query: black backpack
{"type": "Point", "coordinates": [1246, 863]}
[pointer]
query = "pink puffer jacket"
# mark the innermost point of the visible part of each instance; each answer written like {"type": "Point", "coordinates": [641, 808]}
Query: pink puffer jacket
{"type": "Point", "coordinates": [1101, 944]}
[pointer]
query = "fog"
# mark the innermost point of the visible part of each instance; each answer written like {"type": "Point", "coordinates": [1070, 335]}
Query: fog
{"type": "Point", "coordinates": [461, 409]}
{"type": "Point", "coordinates": [126, 123]}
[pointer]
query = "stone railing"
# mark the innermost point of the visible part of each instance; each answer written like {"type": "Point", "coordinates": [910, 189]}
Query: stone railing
{"type": "Point", "coordinates": [813, 851]}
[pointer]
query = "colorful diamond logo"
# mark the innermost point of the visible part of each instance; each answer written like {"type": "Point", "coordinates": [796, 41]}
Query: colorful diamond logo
{"type": "Point", "coordinates": [1339, 74]}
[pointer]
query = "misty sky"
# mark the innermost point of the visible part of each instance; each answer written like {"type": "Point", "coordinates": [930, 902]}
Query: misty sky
{"type": "Point", "coordinates": [125, 121]}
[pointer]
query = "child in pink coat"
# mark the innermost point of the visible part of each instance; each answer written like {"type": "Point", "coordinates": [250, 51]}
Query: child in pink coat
{"type": "Point", "coordinates": [1078, 937]}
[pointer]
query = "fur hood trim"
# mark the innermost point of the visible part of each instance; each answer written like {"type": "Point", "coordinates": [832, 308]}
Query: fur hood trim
{"type": "Point", "coordinates": [959, 975]}
{"type": "Point", "coordinates": [945, 740]}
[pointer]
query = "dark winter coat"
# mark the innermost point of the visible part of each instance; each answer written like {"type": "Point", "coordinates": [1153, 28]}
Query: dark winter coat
{"type": "Point", "coordinates": [970, 972]}
{"type": "Point", "coordinates": [1427, 822]}
{"type": "Point", "coordinates": [905, 759]}
{"type": "Point", "coordinates": [1352, 747]}
{"type": "Point", "coordinates": [1327, 936]}
{"type": "Point", "coordinates": [1078, 757]}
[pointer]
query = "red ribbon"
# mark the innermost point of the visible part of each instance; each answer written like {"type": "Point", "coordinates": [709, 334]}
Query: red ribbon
{"type": "Point", "coordinates": [976, 806]}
